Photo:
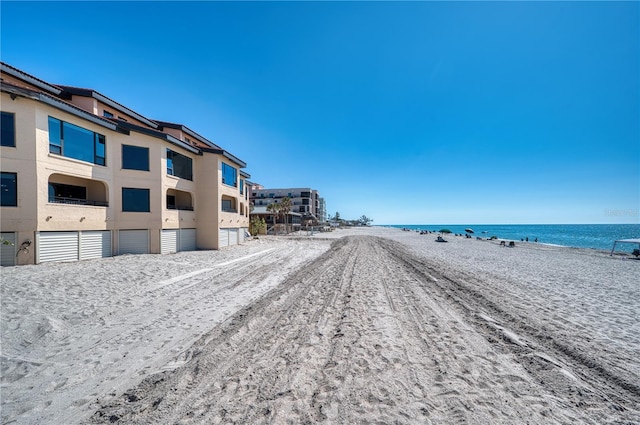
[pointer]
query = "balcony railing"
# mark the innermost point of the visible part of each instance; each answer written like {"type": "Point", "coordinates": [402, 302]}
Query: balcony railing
{"type": "Point", "coordinates": [180, 207]}
{"type": "Point", "coordinates": [76, 201]}
{"type": "Point", "coordinates": [229, 210]}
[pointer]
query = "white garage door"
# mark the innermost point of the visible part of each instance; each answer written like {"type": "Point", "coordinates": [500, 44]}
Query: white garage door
{"type": "Point", "coordinates": [233, 236]}
{"type": "Point", "coordinates": [133, 242]}
{"type": "Point", "coordinates": [169, 241]}
{"type": "Point", "coordinates": [8, 252]}
{"type": "Point", "coordinates": [95, 244]}
{"type": "Point", "coordinates": [187, 240]}
{"type": "Point", "coordinates": [56, 246]}
{"type": "Point", "coordinates": [224, 238]}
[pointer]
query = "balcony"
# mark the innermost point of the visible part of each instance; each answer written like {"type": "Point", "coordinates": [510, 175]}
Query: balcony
{"type": "Point", "coordinates": [70, 190]}
{"type": "Point", "coordinates": [179, 200]}
{"type": "Point", "coordinates": [76, 201]}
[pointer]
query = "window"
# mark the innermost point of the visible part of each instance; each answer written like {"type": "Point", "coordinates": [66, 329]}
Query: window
{"type": "Point", "coordinates": [135, 158]}
{"type": "Point", "coordinates": [241, 187]}
{"type": "Point", "coordinates": [65, 193]}
{"type": "Point", "coordinates": [171, 202]}
{"type": "Point", "coordinates": [8, 127]}
{"type": "Point", "coordinates": [135, 200]}
{"type": "Point", "coordinates": [229, 175]}
{"type": "Point", "coordinates": [179, 165]}
{"type": "Point", "coordinates": [107, 114]}
{"type": "Point", "coordinates": [229, 204]}
{"type": "Point", "coordinates": [76, 142]}
{"type": "Point", "coordinates": [9, 190]}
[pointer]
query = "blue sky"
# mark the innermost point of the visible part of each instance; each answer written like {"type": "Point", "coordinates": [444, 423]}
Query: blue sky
{"type": "Point", "coordinates": [410, 113]}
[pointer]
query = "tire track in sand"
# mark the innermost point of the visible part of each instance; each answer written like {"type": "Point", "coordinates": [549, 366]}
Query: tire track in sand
{"type": "Point", "coordinates": [366, 333]}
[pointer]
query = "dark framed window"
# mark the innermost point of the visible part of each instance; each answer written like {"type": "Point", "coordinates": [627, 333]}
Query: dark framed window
{"type": "Point", "coordinates": [241, 186]}
{"type": "Point", "coordinates": [135, 158]}
{"type": "Point", "coordinates": [73, 141]}
{"type": "Point", "coordinates": [8, 129]}
{"type": "Point", "coordinates": [228, 205]}
{"type": "Point", "coordinates": [229, 175]}
{"type": "Point", "coordinates": [9, 189]}
{"type": "Point", "coordinates": [65, 192]}
{"type": "Point", "coordinates": [135, 200]}
{"type": "Point", "coordinates": [179, 165]}
{"type": "Point", "coordinates": [171, 202]}
{"type": "Point", "coordinates": [107, 114]}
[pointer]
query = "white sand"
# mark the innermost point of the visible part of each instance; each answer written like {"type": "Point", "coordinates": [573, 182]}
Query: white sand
{"type": "Point", "coordinates": [294, 330]}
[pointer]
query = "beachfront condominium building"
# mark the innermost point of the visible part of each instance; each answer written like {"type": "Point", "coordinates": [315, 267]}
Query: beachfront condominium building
{"type": "Point", "coordinates": [305, 201]}
{"type": "Point", "coordinates": [85, 177]}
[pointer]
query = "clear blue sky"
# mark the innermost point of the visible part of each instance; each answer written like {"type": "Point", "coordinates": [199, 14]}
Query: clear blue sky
{"type": "Point", "coordinates": [410, 113]}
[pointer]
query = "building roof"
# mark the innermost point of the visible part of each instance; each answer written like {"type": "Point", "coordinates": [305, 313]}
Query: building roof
{"type": "Point", "coordinates": [157, 134]}
{"type": "Point", "coordinates": [58, 103]}
{"type": "Point", "coordinates": [78, 91]}
{"type": "Point", "coordinates": [188, 131]}
{"type": "Point", "coordinates": [43, 85]}
{"type": "Point", "coordinates": [58, 96]}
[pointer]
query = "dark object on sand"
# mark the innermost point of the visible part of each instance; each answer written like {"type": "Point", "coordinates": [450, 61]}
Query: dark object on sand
{"type": "Point", "coordinates": [468, 230]}
{"type": "Point", "coordinates": [440, 239]}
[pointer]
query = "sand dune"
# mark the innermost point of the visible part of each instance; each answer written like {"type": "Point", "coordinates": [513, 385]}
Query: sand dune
{"type": "Point", "coordinates": [361, 326]}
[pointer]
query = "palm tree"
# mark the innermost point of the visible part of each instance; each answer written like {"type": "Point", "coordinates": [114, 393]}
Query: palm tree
{"type": "Point", "coordinates": [364, 220]}
{"type": "Point", "coordinates": [274, 208]}
{"type": "Point", "coordinates": [285, 209]}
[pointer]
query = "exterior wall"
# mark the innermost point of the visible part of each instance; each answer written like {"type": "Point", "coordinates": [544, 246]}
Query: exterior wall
{"type": "Point", "coordinates": [207, 213]}
{"type": "Point", "coordinates": [174, 219]}
{"type": "Point", "coordinates": [36, 167]}
{"type": "Point", "coordinates": [62, 216]}
{"type": "Point", "coordinates": [228, 219]}
{"type": "Point", "coordinates": [23, 218]}
{"type": "Point", "coordinates": [89, 104]}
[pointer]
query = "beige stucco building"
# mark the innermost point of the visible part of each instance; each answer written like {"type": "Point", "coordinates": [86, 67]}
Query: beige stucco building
{"type": "Point", "coordinates": [85, 177]}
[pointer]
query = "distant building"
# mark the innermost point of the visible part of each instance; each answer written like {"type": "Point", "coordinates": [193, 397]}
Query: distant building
{"type": "Point", "coordinates": [322, 210]}
{"type": "Point", "coordinates": [305, 201]}
{"type": "Point", "coordinates": [86, 177]}
{"type": "Point", "coordinates": [276, 223]}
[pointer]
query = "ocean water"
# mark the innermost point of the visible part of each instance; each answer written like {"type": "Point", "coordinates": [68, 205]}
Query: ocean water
{"type": "Point", "coordinates": [596, 236]}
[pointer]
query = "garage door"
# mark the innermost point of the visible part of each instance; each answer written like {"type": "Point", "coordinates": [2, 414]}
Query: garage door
{"type": "Point", "coordinates": [224, 238]}
{"type": "Point", "coordinates": [169, 241]}
{"type": "Point", "coordinates": [56, 246]}
{"type": "Point", "coordinates": [133, 242]}
{"type": "Point", "coordinates": [8, 252]}
{"type": "Point", "coordinates": [233, 236]}
{"type": "Point", "coordinates": [187, 240]}
{"type": "Point", "coordinates": [95, 244]}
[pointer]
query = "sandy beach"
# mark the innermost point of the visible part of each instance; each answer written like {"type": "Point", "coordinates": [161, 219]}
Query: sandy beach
{"type": "Point", "coordinates": [362, 325]}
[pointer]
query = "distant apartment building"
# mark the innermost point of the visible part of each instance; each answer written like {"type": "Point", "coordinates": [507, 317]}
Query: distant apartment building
{"type": "Point", "coordinates": [86, 177]}
{"type": "Point", "coordinates": [322, 210]}
{"type": "Point", "coordinates": [305, 201]}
